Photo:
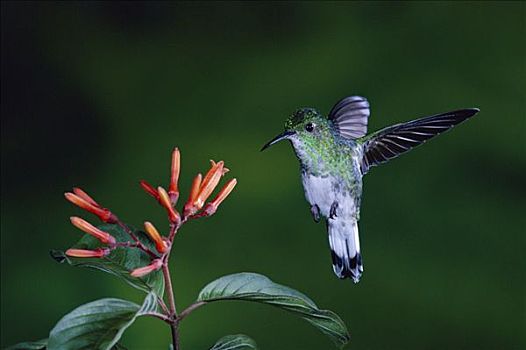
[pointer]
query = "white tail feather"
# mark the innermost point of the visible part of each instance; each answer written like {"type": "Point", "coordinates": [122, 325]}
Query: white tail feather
{"type": "Point", "coordinates": [345, 248]}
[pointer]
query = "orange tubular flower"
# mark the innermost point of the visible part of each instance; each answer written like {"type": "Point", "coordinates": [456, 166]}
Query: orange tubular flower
{"type": "Point", "coordinates": [189, 208]}
{"type": "Point", "coordinates": [143, 271]}
{"type": "Point", "coordinates": [209, 183]}
{"type": "Point", "coordinates": [164, 199]}
{"type": "Point", "coordinates": [79, 192]}
{"type": "Point", "coordinates": [149, 189]}
{"type": "Point", "coordinates": [173, 190]}
{"type": "Point", "coordinates": [85, 226]}
{"type": "Point", "coordinates": [85, 253]}
{"type": "Point", "coordinates": [82, 200]}
{"type": "Point", "coordinates": [160, 244]}
{"type": "Point", "coordinates": [211, 207]}
{"type": "Point", "coordinates": [225, 170]}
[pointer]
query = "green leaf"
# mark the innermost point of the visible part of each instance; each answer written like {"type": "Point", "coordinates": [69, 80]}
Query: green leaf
{"type": "Point", "coordinates": [235, 342]}
{"type": "Point", "coordinates": [99, 324]}
{"type": "Point", "coordinates": [120, 261]}
{"type": "Point", "coordinates": [258, 288]}
{"type": "Point", "coordinates": [30, 345]}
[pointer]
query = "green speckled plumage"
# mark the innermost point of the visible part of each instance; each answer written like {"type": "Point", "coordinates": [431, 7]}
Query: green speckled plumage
{"type": "Point", "coordinates": [325, 152]}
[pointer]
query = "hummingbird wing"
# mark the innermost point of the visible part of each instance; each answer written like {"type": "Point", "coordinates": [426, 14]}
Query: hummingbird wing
{"type": "Point", "coordinates": [392, 141]}
{"type": "Point", "coordinates": [350, 116]}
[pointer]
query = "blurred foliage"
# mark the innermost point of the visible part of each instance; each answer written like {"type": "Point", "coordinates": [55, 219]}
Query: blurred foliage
{"type": "Point", "coordinates": [97, 94]}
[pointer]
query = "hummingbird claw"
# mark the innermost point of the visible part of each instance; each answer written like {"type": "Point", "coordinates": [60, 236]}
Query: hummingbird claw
{"type": "Point", "coordinates": [315, 211]}
{"type": "Point", "coordinates": [332, 213]}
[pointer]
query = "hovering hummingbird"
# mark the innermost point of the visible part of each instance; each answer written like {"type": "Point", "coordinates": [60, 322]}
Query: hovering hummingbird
{"type": "Point", "coordinates": [335, 154]}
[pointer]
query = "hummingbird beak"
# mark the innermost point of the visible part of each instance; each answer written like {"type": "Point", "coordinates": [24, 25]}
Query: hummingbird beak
{"type": "Point", "coordinates": [278, 138]}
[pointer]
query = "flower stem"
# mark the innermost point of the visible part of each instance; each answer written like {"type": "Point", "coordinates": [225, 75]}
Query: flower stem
{"type": "Point", "coordinates": [174, 323]}
{"type": "Point", "coordinates": [163, 306]}
{"type": "Point", "coordinates": [174, 227]}
{"type": "Point", "coordinates": [140, 245]}
{"type": "Point", "coordinates": [160, 316]}
{"type": "Point", "coordinates": [169, 289]}
{"type": "Point", "coordinates": [189, 309]}
{"type": "Point", "coordinates": [175, 334]}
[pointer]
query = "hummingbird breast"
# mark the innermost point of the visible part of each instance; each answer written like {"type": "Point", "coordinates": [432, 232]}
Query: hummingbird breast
{"type": "Point", "coordinates": [331, 174]}
{"type": "Point", "coordinates": [327, 191]}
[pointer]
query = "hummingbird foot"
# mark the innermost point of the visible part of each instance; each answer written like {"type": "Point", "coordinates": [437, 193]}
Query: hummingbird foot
{"type": "Point", "coordinates": [332, 213]}
{"type": "Point", "coordinates": [315, 211]}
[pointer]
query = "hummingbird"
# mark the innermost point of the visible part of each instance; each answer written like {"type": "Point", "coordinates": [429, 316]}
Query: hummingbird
{"type": "Point", "coordinates": [335, 153]}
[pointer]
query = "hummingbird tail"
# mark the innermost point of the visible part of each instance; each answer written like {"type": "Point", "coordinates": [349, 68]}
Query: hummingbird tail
{"type": "Point", "coordinates": [345, 248]}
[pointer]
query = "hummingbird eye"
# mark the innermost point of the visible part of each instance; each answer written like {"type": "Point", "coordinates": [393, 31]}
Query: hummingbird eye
{"type": "Point", "coordinates": [309, 127]}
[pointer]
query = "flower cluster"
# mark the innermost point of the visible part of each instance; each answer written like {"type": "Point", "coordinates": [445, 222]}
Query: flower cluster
{"type": "Point", "coordinates": [194, 208]}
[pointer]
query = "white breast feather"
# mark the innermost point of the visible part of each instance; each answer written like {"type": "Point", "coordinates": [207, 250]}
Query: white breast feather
{"type": "Point", "coordinates": [318, 191]}
{"type": "Point", "coordinates": [321, 191]}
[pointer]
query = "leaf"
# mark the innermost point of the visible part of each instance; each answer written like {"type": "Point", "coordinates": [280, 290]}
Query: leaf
{"type": "Point", "coordinates": [99, 324]}
{"type": "Point", "coordinates": [120, 261]}
{"type": "Point", "coordinates": [258, 288]}
{"type": "Point", "coordinates": [235, 342]}
{"type": "Point", "coordinates": [30, 345]}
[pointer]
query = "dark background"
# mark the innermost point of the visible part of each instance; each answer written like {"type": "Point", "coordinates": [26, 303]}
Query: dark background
{"type": "Point", "coordinates": [96, 95]}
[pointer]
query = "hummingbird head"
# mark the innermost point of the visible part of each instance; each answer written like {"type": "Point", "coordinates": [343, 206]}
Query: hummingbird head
{"type": "Point", "coordinates": [305, 125]}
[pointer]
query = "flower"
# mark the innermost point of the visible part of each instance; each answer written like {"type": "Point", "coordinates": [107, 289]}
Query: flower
{"type": "Point", "coordinates": [209, 183]}
{"type": "Point", "coordinates": [79, 192]}
{"type": "Point", "coordinates": [149, 189]}
{"type": "Point", "coordinates": [201, 190]}
{"type": "Point", "coordinates": [189, 208]}
{"type": "Point", "coordinates": [165, 201]}
{"type": "Point", "coordinates": [173, 190]}
{"type": "Point", "coordinates": [211, 207]}
{"type": "Point", "coordinates": [85, 226]}
{"type": "Point", "coordinates": [195, 207]}
{"type": "Point", "coordinates": [82, 200]}
{"type": "Point", "coordinates": [143, 271]}
{"type": "Point", "coordinates": [85, 253]}
{"type": "Point", "coordinates": [160, 244]}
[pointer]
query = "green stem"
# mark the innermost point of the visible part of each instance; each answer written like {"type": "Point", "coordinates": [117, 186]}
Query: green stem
{"type": "Point", "coordinates": [174, 320]}
{"type": "Point", "coordinates": [171, 302]}
{"type": "Point", "coordinates": [189, 309]}
{"type": "Point", "coordinates": [140, 245]}
{"type": "Point", "coordinates": [175, 334]}
{"type": "Point", "coordinates": [169, 290]}
{"type": "Point", "coordinates": [160, 316]}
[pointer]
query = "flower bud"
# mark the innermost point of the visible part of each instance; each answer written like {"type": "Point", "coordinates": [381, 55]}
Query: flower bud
{"type": "Point", "coordinates": [209, 183]}
{"type": "Point", "coordinates": [149, 189]}
{"type": "Point", "coordinates": [211, 207]}
{"type": "Point", "coordinates": [165, 201]}
{"type": "Point", "coordinates": [85, 226]}
{"type": "Point", "coordinates": [160, 244]}
{"type": "Point", "coordinates": [143, 271]}
{"type": "Point", "coordinates": [189, 208]}
{"type": "Point", "coordinates": [83, 201]}
{"type": "Point", "coordinates": [85, 253]}
{"type": "Point", "coordinates": [173, 190]}
{"type": "Point", "coordinates": [79, 192]}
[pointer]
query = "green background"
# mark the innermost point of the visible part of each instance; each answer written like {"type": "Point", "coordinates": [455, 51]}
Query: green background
{"type": "Point", "coordinates": [96, 95]}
